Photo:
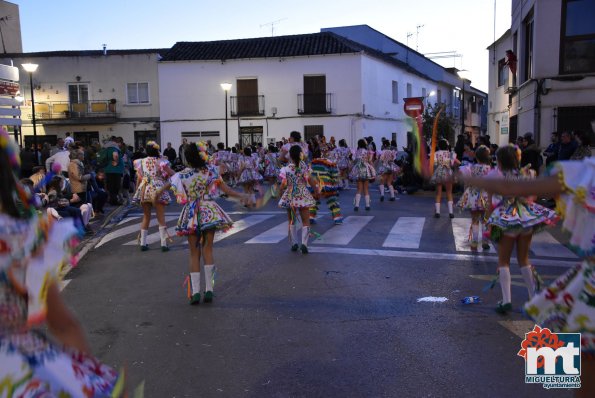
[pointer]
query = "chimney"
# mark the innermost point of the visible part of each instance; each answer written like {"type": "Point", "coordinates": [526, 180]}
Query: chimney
{"type": "Point", "coordinates": [104, 49]}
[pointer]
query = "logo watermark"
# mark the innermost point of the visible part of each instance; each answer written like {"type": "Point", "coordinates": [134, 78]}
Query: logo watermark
{"type": "Point", "coordinates": [552, 359]}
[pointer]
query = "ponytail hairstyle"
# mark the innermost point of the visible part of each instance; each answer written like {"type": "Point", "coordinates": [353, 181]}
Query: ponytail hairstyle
{"type": "Point", "coordinates": [362, 144]}
{"type": "Point", "coordinates": [508, 157]}
{"type": "Point", "coordinates": [295, 153]}
{"type": "Point", "coordinates": [194, 157]}
{"type": "Point", "coordinates": [443, 144]}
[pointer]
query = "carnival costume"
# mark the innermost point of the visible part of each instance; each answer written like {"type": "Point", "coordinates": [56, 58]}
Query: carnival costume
{"type": "Point", "coordinates": [249, 173]}
{"type": "Point", "coordinates": [517, 215]}
{"type": "Point", "coordinates": [568, 304]}
{"type": "Point", "coordinates": [327, 174]}
{"type": "Point", "coordinates": [33, 250]}
{"type": "Point", "coordinates": [387, 165]}
{"type": "Point", "coordinates": [196, 190]}
{"type": "Point", "coordinates": [475, 200]}
{"type": "Point", "coordinates": [444, 160]}
{"type": "Point", "coordinates": [152, 175]}
{"type": "Point", "coordinates": [362, 170]}
{"type": "Point", "coordinates": [271, 165]}
{"type": "Point", "coordinates": [296, 196]}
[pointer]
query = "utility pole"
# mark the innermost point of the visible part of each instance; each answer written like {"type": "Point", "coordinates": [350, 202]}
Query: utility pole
{"type": "Point", "coordinates": [409, 34]}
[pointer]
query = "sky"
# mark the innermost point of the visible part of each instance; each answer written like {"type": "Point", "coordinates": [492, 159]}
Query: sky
{"type": "Point", "coordinates": [463, 26]}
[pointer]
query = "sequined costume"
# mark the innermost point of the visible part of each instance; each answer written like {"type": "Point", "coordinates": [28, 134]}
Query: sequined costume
{"type": "Point", "coordinates": [568, 304]}
{"type": "Point", "coordinates": [152, 177]}
{"type": "Point", "coordinates": [32, 252]}
{"type": "Point", "coordinates": [196, 190]}
{"type": "Point", "coordinates": [362, 169]}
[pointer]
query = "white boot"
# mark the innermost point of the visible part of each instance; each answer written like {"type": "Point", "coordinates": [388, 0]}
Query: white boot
{"type": "Point", "coordinates": [305, 236]}
{"type": "Point", "coordinates": [143, 240]}
{"type": "Point", "coordinates": [367, 201]}
{"type": "Point", "coordinates": [164, 236]}
{"type": "Point", "coordinates": [391, 190]}
{"type": "Point", "coordinates": [209, 282]}
{"type": "Point", "coordinates": [451, 213]}
{"type": "Point", "coordinates": [527, 273]}
{"type": "Point", "coordinates": [381, 193]}
{"type": "Point", "coordinates": [194, 290]}
{"type": "Point", "coordinates": [293, 237]}
{"type": "Point", "coordinates": [358, 197]}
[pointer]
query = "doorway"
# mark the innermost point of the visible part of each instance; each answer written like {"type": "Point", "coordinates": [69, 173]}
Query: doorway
{"type": "Point", "coordinates": [86, 137]}
{"type": "Point", "coordinates": [250, 136]}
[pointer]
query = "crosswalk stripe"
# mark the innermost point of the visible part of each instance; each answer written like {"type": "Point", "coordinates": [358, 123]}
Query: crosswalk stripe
{"type": "Point", "coordinates": [128, 219]}
{"type": "Point", "coordinates": [273, 235]}
{"type": "Point", "coordinates": [460, 230]}
{"type": "Point", "coordinates": [344, 233]}
{"type": "Point", "coordinates": [153, 238]}
{"type": "Point", "coordinates": [518, 327]}
{"type": "Point", "coordinates": [128, 230]}
{"type": "Point", "coordinates": [544, 244]}
{"type": "Point", "coordinates": [242, 224]}
{"type": "Point", "coordinates": [406, 233]}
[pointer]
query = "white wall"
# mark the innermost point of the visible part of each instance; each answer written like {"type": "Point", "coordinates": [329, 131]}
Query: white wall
{"type": "Point", "coordinates": [192, 100]}
{"type": "Point", "coordinates": [498, 113]}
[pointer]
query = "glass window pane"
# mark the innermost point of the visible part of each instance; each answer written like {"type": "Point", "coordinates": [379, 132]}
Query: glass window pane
{"type": "Point", "coordinates": [579, 56]}
{"type": "Point", "coordinates": [73, 93]}
{"type": "Point", "coordinates": [132, 93]}
{"type": "Point", "coordinates": [395, 92]}
{"type": "Point", "coordinates": [83, 93]}
{"type": "Point", "coordinates": [143, 93]}
{"type": "Point", "coordinates": [580, 17]}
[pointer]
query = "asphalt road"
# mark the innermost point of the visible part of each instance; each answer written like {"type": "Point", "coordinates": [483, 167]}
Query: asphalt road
{"type": "Point", "coordinates": [342, 321]}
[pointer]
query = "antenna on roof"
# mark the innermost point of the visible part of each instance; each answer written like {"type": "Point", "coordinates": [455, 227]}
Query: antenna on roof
{"type": "Point", "coordinates": [417, 37]}
{"type": "Point", "coordinates": [409, 34]}
{"type": "Point", "coordinates": [273, 23]}
{"type": "Point", "coordinates": [104, 49]}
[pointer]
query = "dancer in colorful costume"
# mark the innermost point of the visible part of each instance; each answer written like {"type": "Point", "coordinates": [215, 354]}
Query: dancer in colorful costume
{"type": "Point", "coordinates": [514, 220]}
{"type": "Point", "coordinates": [387, 170]}
{"type": "Point", "coordinates": [568, 304]}
{"type": "Point", "coordinates": [249, 175]}
{"type": "Point", "coordinates": [33, 249]}
{"type": "Point", "coordinates": [362, 171]}
{"type": "Point", "coordinates": [271, 169]}
{"type": "Point", "coordinates": [476, 200]}
{"type": "Point", "coordinates": [444, 160]}
{"type": "Point", "coordinates": [152, 173]}
{"type": "Point", "coordinates": [326, 173]}
{"type": "Point", "coordinates": [342, 154]}
{"type": "Point", "coordinates": [196, 187]}
{"type": "Point", "coordinates": [296, 197]}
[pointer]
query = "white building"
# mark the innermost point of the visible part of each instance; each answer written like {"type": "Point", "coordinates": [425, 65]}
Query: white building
{"type": "Point", "coordinates": [91, 94]}
{"type": "Point", "coordinates": [319, 83]}
{"type": "Point", "coordinates": [553, 88]}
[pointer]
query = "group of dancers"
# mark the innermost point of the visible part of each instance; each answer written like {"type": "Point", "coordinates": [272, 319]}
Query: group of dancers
{"type": "Point", "coordinates": [33, 248]}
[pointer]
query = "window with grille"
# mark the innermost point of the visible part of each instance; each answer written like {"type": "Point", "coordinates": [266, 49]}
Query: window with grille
{"type": "Point", "coordinates": [577, 41]}
{"type": "Point", "coordinates": [137, 93]}
{"type": "Point", "coordinates": [502, 73]}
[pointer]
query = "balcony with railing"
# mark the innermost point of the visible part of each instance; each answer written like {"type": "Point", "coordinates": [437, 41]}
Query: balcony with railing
{"type": "Point", "coordinates": [247, 105]}
{"type": "Point", "coordinates": [64, 112]}
{"type": "Point", "coordinates": [315, 104]}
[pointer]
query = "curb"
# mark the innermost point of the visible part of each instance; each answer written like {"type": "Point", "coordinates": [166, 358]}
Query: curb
{"type": "Point", "coordinates": [115, 216]}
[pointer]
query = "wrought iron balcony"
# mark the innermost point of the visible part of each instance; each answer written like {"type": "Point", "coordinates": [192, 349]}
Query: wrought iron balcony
{"type": "Point", "coordinates": [63, 110]}
{"type": "Point", "coordinates": [247, 105]}
{"type": "Point", "coordinates": [314, 104]}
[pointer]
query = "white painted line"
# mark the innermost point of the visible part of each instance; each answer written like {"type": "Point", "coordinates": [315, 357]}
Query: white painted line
{"type": "Point", "coordinates": [128, 219]}
{"type": "Point", "coordinates": [433, 256]}
{"type": "Point", "coordinates": [545, 245]}
{"type": "Point", "coordinates": [406, 233]}
{"type": "Point", "coordinates": [460, 230]}
{"type": "Point", "coordinates": [518, 327]}
{"type": "Point", "coordinates": [432, 299]}
{"type": "Point", "coordinates": [64, 283]}
{"type": "Point", "coordinates": [344, 233]}
{"type": "Point", "coordinates": [241, 225]}
{"type": "Point", "coordinates": [154, 237]}
{"type": "Point", "coordinates": [273, 235]}
{"type": "Point", "coordinates": [131, 229]}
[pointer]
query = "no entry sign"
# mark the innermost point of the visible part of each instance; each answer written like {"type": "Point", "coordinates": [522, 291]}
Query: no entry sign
{"type": "Point", "coordinates": [413, 107]}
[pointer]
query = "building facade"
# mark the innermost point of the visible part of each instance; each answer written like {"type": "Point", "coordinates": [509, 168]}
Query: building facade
{"type": "Point", "coordinates": [10, 28]}
{"type": "Point", "coordinates": [91, 94]}
{"type": "Point", "coordinates": [551, 86]}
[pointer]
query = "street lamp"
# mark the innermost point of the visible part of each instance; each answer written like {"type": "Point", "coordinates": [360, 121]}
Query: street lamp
{"type": "Point", "coordinates": [30, 68]}
{"type": "Point", "coordinates": [226, 87]}
{"type": "Point", "coordinates": [17, 129]}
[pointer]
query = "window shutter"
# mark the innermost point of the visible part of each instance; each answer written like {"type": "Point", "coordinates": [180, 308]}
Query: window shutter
{"type": "Point", "coordinates": [143, 93]}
